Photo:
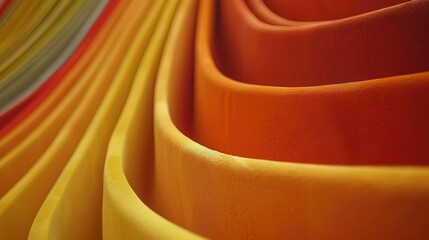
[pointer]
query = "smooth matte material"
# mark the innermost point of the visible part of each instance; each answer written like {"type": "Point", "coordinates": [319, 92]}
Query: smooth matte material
{"type": "Point", "coordinates": [127, 171]}
{"type": "Point", "coordinates": [372, 45]}
{"type": "Point", "coordinates": [372, 122]}
{"type": "Point", "coordinates": [63, 32]}
{"type": "Point", "coordinates": [328, 9]}
{"type": "Point", "coordinates": [316, 10]}
{"type": "Point", "coordinates": [87, 161]}
{"type": "Point", "coordinates": [49, 79]}
{"type": "Point", "coordinates": [28, 194]}
{"type": "Point", "coordinates": [42, 79]}
{"type": "Point", "coordinates": [229, 119]}
{"type": "Point", "coordinates": [224, 196]}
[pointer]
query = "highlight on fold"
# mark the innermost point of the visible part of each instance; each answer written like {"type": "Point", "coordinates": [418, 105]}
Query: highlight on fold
{"type": "Point", "coordinates": [214, 119]}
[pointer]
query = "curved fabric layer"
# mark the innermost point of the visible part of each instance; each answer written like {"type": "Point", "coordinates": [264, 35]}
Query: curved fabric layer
{"type": "Point", "coordinates": [60, 59]}
{"type": "Point", "coordinates": [30, 22]}
{"type": "Point", "coordinates": [24, 106]}
{"type": "Point", "coordinates": [88, 159]}
{"type": "Point", "coordinates": [223, 196]}
{"type": "Point", "coordinates": [378, 121]}
{"type": "Point", "coordinates": [28, 194]}
{"type": "Point", "coordinates": [63, 32]}
{"type": "Point", "coordinates": [13, 58]}
{"type": "Point", "coordinates": [28, 141]}
{"type": "Point", "coordinates": [311, 10]}
{"type": "Point", "coordinates": [372, 45]}
{"type": "Point", "coordinates": [230, 119]}
{"type": "Point", "coordinates": [20, 21]}
{"type": "Point", "coordinates": [130, 154]}
{"type": "Point", "coordinates": [326, 10]}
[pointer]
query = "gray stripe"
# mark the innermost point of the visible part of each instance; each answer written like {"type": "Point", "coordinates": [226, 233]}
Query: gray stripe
{"type": "Point", "coordinates": [52, 56]}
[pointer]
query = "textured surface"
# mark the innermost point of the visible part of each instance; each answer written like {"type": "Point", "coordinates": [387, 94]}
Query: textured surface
{"type": "Point", "coordinates": [229, 119]}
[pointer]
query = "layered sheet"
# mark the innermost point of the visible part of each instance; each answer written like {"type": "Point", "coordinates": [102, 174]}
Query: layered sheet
{"type": "Point", "coordinates": [229, 119]}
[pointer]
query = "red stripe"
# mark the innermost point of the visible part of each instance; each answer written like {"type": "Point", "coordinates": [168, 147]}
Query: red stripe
{"type": "Point", "coordinates": [14, 115]}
